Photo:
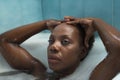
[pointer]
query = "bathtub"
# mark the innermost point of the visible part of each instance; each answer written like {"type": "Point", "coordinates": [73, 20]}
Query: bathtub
{"type": "Point", "coordinates": [37, 46]}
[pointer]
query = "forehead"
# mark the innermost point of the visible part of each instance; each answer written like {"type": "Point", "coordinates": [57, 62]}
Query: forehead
{"type": "Point", "coordinates": [65, 29]}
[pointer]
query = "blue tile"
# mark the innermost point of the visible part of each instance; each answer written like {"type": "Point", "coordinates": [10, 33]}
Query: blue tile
{"type": "Point", "coordinates": [99, 8]}
{"type": "Point", "coordinates": [116, 15]}
{"type": "Point", "coordinates": [72, 8]}
{"type": "Point", "coordinates": [51, 9]}
{"type": "Point", "coordinates": [18, 12]}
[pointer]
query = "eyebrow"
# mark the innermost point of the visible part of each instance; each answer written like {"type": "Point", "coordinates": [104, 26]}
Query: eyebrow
{"type": "Point", "coordinates": [63, 36]}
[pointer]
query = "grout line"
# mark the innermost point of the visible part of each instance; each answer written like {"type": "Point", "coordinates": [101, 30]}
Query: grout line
{"type": "Point", "coordinates": [60, 11]}
{"type": "Point", "coordinates": [113, 12]}
{"type": "Point", "coordinates": [42, 10]}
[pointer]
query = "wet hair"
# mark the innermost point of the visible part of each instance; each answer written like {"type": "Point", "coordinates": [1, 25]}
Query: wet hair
{"type": "Point", "coordinates": [83, 34]}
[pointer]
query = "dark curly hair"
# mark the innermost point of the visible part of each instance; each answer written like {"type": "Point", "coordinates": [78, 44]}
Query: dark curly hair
{"type": "Point", "coordinates": [83, 34]}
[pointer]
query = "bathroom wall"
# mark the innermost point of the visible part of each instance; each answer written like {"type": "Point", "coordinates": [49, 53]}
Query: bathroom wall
{"type": "Point", "coordinates": [15, 13]}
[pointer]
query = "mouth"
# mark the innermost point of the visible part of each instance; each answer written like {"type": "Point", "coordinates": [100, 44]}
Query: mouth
{"type": "Point", "coordinates": [53, 59]}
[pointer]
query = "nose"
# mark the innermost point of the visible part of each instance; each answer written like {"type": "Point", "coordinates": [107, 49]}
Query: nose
{"type": "Point", "coordinates": [54, 48]}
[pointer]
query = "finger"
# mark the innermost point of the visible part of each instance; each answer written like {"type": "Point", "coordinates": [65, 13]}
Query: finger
{"type": "Point", "coordinates": [87, 38]}
{"type": "Point", "coordinates": [72, 22]}
{"type": "Point", "coordinates": [53, 23]}
{"type": "Point", "coordinates": [89, 34]}
{"type": "Point", "coordinates": [59, 22]}
{"type": "Point", "coordinates": [68, 18]}
{"type": "Point", "coordinates": [71, 17]}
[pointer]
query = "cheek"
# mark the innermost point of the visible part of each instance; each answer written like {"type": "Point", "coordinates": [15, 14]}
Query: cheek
{"type": "Point", "coordinates": [69, 56]}
{"type": "Point", "coordinates": [72, 55]}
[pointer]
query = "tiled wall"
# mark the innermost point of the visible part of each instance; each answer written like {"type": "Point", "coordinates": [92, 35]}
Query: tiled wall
{"type": "Point", "coordinates": [14, 13]}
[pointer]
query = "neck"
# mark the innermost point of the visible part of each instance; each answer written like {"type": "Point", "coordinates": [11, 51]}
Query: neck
{"type": "Point", "coordinates": [67, 71]}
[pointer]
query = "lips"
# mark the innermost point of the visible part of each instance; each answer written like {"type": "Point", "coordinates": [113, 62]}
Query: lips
{"type": "Point", "coordinates": [53, 59]}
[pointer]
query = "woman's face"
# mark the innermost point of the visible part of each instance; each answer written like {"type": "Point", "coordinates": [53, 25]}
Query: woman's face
{"type": "Point", "coordinates": [64, 50]}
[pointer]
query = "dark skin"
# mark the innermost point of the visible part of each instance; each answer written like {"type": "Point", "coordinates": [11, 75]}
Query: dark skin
{"type": "Point", "coordinates": [110, 66]}
{"type": "Point", "coordinates": [17, 56]}
{"type": "Point", "coordinates": [106, 70]}
{"type": "Point", "coordinates": [64, 51]}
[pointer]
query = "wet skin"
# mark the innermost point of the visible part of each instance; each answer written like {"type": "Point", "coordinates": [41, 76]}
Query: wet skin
{"type": "Point", "coordinates": [65, 48]}
{"type": "Point", "coordinates": [63, 56]}
{"type": "Point", "coordinates": [110, 66]}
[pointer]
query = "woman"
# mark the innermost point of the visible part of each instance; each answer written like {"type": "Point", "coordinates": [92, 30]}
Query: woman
{"type": "Point", "coordinates": [65, 50]}
{"type": "Point", "coordinates": [69, 43]}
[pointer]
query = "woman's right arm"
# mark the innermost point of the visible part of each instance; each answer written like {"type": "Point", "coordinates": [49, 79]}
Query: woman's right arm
{"type": "Point", "coordinates": [20, 34]}
{"type": "Point", "coordinates": [17, 56]}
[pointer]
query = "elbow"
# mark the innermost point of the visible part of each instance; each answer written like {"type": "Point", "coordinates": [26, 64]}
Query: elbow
{"type": "Point", "coordinates": [5, 39]}
{"type": "Point", "coordinates": [2, 39]}
{"type": "Point", "coordinates": [2, 43]}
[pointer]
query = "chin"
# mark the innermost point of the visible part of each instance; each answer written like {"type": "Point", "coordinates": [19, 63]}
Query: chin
{"type": "Point", "coordinates": [55, 69]}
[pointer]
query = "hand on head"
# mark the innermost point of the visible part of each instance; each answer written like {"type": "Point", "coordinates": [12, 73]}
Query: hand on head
{"type": "Point", "coordinates": [51, 24]}
{"type": "Point", "coordinates": [86, 23]}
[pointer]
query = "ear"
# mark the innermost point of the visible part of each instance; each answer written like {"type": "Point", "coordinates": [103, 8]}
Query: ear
{"type": "Point", "coordinates": [83, 53]}
{"type": "Point", "coordinates": [86, 41]}
{"type": "Point", "coordinates": [89, 32]}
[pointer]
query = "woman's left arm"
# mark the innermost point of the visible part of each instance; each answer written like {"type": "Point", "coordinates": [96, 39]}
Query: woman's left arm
{"type": "Point", "coordinates": [110, 66]}
{"type": "Point", "coordinates": [110, 36]}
